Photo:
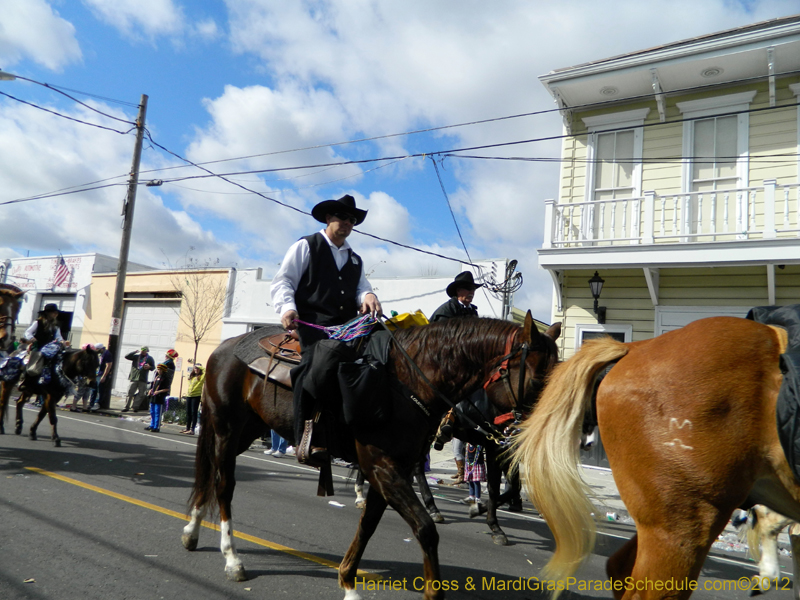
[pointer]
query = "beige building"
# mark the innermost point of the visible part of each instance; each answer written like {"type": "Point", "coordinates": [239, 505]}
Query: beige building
{"type": "Point", "coordinates": [679, 184]}
{"type": "Point", "coordinates": [158, 312]}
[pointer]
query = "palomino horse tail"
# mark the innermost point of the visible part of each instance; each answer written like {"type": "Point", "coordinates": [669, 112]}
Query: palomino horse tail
{"type": "Point", "coordinates": [547, 455]}
{"type": "Point", "coordinates": [205, 469]}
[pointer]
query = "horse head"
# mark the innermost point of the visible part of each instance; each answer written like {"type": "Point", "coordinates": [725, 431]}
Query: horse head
{"type": "Point", "coordinates": [10, 296]}
{"type": "Point", "coordinates": [518, 376]}
{"type": "Point", "coordinates": [82, 363]}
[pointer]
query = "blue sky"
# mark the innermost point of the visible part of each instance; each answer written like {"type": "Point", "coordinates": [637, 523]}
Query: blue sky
{"type": "Point", "coordinates": [239, 78]}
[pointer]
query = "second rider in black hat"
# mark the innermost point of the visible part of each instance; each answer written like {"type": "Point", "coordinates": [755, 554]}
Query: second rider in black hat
{"type": "Point", "coordinates": [461, 292]}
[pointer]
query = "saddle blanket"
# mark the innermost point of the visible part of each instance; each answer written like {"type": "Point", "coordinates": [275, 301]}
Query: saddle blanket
{"type": "Point", "coordinates": [788, 406]}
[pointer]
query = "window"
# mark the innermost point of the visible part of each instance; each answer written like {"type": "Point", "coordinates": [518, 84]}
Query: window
{"type": "Point", "coordinates": [587, 331]}
{"type": "Point", "coordinates": [614, 165]}
{"type": "Point", "coordinates": [718, 142]}
{"type": "Point", "coordinates": [614, 172]}
{"type": "Point", "coordinates": [615, 155]}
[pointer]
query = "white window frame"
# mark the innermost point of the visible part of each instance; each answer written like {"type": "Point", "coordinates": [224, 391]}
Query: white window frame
{"type": "Point", "coordinates": [580, 328]}
{"type": "Point", "coordinates": [693, 110]}
{"type": "Point", "coordinates": [629, 119]}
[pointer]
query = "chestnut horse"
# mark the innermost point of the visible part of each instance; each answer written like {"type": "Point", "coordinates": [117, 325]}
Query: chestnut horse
{"type": "Point", "coordinates": [76, 363]}
{"type": "Point", "coordinates": [688, 423]}
{"type": "Point", "coordinates": [456, 356]}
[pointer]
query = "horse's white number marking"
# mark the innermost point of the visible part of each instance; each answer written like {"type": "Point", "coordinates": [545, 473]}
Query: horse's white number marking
{"type": "Point", "coordinates": [674, 424]}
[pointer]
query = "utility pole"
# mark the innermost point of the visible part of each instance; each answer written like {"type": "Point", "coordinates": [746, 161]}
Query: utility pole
{"type": "Point", "coordinates": [122, 269]}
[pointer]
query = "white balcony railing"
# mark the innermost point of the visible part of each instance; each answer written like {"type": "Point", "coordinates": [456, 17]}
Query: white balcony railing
{"type": "Point", "coordinates": [762, 212]}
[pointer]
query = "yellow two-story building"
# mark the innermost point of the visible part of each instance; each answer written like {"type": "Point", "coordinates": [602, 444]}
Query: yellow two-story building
{"type": "Point", "coordinates": [679, 184]}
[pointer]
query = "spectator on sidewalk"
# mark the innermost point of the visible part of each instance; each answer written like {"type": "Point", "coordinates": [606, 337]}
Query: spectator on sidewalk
{"type": "Point", "coordinates": [196, 379]}
{"type": "Point", "coordinates": [101, 396]}
{"type": "Point", "coordinates": [83, 391]}
{"type": "Point", "coordinates": [159, 390]}
{"type": "Point", "coordinates": [141, 365]}
{"type": "Point", "coordinates": [474, 473]}
{"type": "Point", "coordinates": [280, 447]}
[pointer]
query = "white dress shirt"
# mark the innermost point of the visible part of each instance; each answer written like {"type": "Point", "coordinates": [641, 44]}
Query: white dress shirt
{"type": "Point", "coordinates": [284, 284]}
{"type": "Point", "coordinates": [30, 332]}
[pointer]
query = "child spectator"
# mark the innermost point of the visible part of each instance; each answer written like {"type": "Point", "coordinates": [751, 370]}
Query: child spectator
{"type": "Point", "coordinates": [474, 474]}
{"type": "Point", "coordinates": [159, 390]}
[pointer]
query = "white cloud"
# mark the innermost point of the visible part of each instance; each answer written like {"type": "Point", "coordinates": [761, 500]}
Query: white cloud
{"type": "Point", "coordinates": [391, 66]}
{"type": "Point", "coordinates": [135, 18]}
{"type": "Point", "coordinates": [41, 152]}
{"type": "Point", "coordinates": [31, 29]}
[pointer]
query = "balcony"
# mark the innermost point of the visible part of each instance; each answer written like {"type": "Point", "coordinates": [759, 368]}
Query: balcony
{"type": "Point", "coordinates": [737, 226]}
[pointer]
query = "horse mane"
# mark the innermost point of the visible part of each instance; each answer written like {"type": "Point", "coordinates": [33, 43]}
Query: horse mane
{"type": "Point", "coordinates": [459, 349]}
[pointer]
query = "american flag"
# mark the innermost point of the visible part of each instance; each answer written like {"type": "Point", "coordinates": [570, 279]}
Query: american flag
{"type": "Point", "coordinates": [62, 273]}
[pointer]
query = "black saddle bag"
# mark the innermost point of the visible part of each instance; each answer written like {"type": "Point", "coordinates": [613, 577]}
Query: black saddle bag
{"type": "Point", "coordinates": [366, 398]}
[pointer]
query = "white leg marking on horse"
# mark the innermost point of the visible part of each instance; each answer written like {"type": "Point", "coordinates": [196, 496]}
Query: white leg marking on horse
{"type": "Point", "coordinates": [361, 502]}
{"type": "Point", "coordinates": [351, 595]}
{"type": "Point", "coordinates": [228, 548]}
{"type": "Point", "coordinates": [192, 529]}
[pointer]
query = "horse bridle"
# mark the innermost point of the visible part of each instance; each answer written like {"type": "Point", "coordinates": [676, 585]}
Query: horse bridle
{"type": "Point", "coordinates": [499, 371]}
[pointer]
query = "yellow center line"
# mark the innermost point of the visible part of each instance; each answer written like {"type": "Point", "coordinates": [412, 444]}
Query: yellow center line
{"type": "Point", "coordinates": [165, 511]}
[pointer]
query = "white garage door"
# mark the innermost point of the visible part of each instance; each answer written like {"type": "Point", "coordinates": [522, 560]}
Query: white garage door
{"type": "Point", "coordinates": [675, 317]}
{"type": "Point", "coordinates": [151, 324]}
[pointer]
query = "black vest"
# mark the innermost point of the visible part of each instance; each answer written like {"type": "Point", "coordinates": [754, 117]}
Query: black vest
{"type": "Point", "coordinates": [325, 295]}
{"type": "Point", "coordinates": [44, 333]}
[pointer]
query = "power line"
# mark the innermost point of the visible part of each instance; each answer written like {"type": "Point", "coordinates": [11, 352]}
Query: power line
{"type": "Point", "coordinates": [58, 114]}
{"type": "Point", "coordinates": [150, 137]}
{"type": "Point", "coordinates": [62, 193]}
{"type": "Point", "coordinates": [577, 107]}
{"type": "Point", "coordinates": [452, 214]}
{"type": "Point", "coordinates": [57, 89]}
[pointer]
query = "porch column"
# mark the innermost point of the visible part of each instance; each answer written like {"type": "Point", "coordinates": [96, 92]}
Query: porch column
{"type": "Point", "coordinates": [769, 208]}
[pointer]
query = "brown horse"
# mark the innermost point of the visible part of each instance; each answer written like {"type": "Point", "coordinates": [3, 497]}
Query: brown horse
{"type": "Point", "coordinates": [76, 363]}
{"type": "Point", "coordinates": [456, 357]}
{"type": "Point", "coordinates": [688, 422]}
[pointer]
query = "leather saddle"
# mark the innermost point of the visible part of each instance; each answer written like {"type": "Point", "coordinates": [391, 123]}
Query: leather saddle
{"type": "Point", "coordinates": [283, 354]}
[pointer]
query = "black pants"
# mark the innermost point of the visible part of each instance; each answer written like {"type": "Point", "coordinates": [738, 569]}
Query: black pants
{"type": "Point", "coordinates": [192, 409]}
{"type": "Point", "coordinates": [315, 381]}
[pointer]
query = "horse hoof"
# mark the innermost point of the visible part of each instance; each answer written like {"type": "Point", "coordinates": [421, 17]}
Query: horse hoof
{"type": "Point", "coordinates": [236, 573]}
{"type": "Point", "coordinates": [32, 436]}
{"type": "Point", "coordinates": [18, 430]}
{"type": "Point", "coordinates": [361, 504]}
{"type": "Point", "coordinates": [476, 509]}
{"type": "Point", "coordinates": [57, 443]}
{"type": "Point", "coordinates": [189, 542]}
{"type": "Point", "coordinates": [437, 517]}
{"type": "Point", "coordinates": [500, 539]}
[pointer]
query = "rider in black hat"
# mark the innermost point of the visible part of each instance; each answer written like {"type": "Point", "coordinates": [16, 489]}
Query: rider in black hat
{"type": "Point", "coordinates": [461, 292]}
{"type": "Point", "coordinates": [44, 330]}
{"type": "Point", "coordinates": [321, 281]}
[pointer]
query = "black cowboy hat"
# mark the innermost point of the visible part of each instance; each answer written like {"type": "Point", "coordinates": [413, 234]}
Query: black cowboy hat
{"type": "Point", "coordinates": [49, 307]}
{"type": "Point", "coordinates": [345, 204]}
{"type": "Point", "coordinates": [463, 280]}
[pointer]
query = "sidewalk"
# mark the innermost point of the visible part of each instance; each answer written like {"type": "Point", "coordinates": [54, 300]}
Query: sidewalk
{"type": "Point", "coordinates": [601, 482]}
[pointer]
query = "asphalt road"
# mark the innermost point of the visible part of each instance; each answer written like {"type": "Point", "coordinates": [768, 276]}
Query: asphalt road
{"type": "Point", "coordinates": [101, 517]}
